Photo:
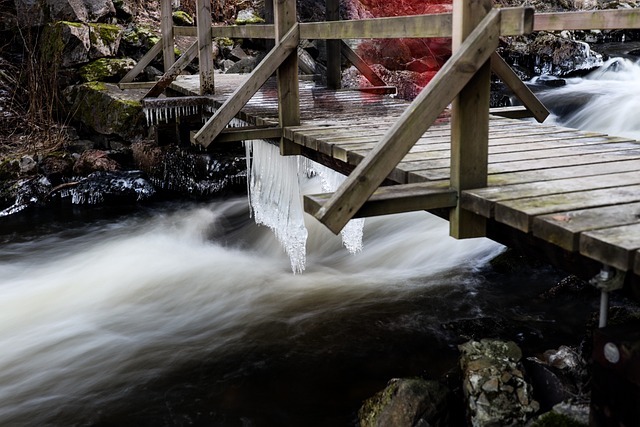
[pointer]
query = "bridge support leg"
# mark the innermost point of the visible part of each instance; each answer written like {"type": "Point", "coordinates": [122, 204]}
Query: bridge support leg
{"type": "Point", "coordinates": [287, 74]}
{"type": "Point", "coordinates": [334, 56]}
{"type": "Point", "coordinates": [166, 25]}
{"type": "Point", "coordinates": [205, 56]}
{"type": "Point", "coordinates": [469, 124]}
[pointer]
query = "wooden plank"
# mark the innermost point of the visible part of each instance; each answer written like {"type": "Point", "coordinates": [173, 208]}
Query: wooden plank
{"type": "Point", "coordinates": [244, 134]}
{"type": "Point", "coordinates": [520, 213]}
{"type": "Point", "coordinates": [173, 72]}
{"type": "Point", "coordinates": [588, 20]}
{"type": "Point", "coordinates": [253, 31]}
{"type": "Point", "coordinates": [469, 124]}
{"type": "Point", "coordinates": [144, 61]}
{"type": "Point", "coordinates": [514, 22]}
{"type": "Point", "coordinates": [524, 94]}
{"type": "Point", "coordinates": [482, 200]}
{"type": "Point", "coordinates": [515, 112]}
{"type": "Point", "coordinates": [361, 65]}
{"type": "Point", "coordinates": [248, 88]}
{"type": "Point", "coordinates": [394, 199]}
{"type": "Point", "coordinates": [166, 28]}
{"type": "Point", "coordinates": [420, 114]}
{"type": "Point", "coordinates": [136, 85]}
{"type": "Point", "coordinates": [615, 247]}
{"type": "Point", "coordinates": [287, 73]}
{"type": "Point", "coordinates": [205, 48]}
{"type": "Point", "coordinates": [334, 59]}
{"type": "Point", "coordinates": [564, 228]}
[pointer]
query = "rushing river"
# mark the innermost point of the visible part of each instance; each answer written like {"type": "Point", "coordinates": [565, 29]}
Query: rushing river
{"type": "Point", "coordinates": [180, 314]}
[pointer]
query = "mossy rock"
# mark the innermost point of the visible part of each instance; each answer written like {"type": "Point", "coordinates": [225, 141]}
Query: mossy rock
{"type": "Point", "coordinates": [182, 18]}
{"type": "Point", "coordinates": [106, 69]}
{"type": "Point", "coordinates": [553, 419]}
{"type": "Point", "coordinates": [247, 17]}
{"type": "Point", "coordinates": [104, 108]}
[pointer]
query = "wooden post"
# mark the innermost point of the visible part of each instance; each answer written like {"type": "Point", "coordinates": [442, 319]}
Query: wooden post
{"type": "Point", "coordinates": [469, 123]}
{"type": "Point", "coordinates": [269, 19]}
{"type": "Point", "coordinates": [287, 74]}
{"type": "Point", "coordinates": [334, 57]}
{"type": "Point", "coordinates": [166, 25]}
{"type": "Point", "coordinates": [205, 56]}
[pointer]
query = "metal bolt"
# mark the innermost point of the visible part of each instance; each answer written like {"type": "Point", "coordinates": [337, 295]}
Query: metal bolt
{"type": "Point", "coordinates": [611, 353]}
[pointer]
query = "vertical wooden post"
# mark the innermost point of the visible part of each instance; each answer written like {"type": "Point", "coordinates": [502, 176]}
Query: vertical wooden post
{"type": "Point", "coordinates": [166, 26]}
{"type": "Point", "coordinates": [287, 74]}
{"type": "Point", "coordinates": [268, 18]}
{"type": "Point", "coordinates": [334, 57]}
{"type": "Point", "coordinates": [205, 56]}
{"type": "Point", "coordinates": [469, 124]}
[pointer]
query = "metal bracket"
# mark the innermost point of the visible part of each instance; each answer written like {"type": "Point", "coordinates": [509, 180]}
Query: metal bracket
{"type": "Point", "coordinates": [608, 279]}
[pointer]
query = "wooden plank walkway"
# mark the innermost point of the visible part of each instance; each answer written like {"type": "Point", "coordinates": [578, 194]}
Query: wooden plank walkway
{"type": "Point", "coordinates": [577, 190]}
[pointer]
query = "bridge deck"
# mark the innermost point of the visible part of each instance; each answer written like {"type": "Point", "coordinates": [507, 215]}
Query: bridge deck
{"type": "Point", "coordinates": [579, 191]}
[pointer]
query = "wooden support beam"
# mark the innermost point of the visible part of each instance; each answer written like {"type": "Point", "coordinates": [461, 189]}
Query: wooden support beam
{"type": "Point", "coordinates": [517, 112]}
{"type": "Point", "coordinates": [361, 65]}
{"type": "Point", "coordinates": [469, 124]}
{"type": "Point", "coordinates": [588, 20]}
{"type": "Point", "coordinates": [524, 94]}
{"type": "Point", "coordinates": [515, 21]}
{"type": "Point", "coordinates": [394, 199]}
{"type": "Point", "coordinates": [416, 119]}
{"type": "Point", "coordinates": [243, 93]}
{"type": "Point", "coordinates": [173, 71]}
{"type": "Point", "coordinates": [144, 61]}
{"type": "Point", "coordinates": [166, 26]}
{"type": "Point", "coordinates": [253, 31]}
{"type": "Point", "coordinates": [287, 73]}
{"type": "Point", "coordinates": [334, 59]}
{"type": "Point", "coordinates": [248, 133]}
{"type": "Point", "coordinates": [205, 49]}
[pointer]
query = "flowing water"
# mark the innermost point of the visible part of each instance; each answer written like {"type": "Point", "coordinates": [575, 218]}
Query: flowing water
{"type": "Point", "coordinates": [179, 314]}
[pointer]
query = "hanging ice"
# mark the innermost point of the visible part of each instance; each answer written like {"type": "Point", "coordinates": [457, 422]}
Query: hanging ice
{"type": "Point", "coordinates": [274, 195]}
{"type": "Point", "coordinates": [331, 180]}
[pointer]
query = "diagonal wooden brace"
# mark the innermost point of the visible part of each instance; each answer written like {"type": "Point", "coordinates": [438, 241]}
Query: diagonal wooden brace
{"type": "Point", "coordinates": [413, 123]}
{"type": "Point", "coordinates": [174, 71]}
{"type": "Point", "coordinates": [243, 94]}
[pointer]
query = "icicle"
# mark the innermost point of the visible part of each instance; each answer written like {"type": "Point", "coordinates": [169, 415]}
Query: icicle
{"type": "Point", "coordinates": [352, 232]}
{"type": "Point", "coordinates": [274, 195]}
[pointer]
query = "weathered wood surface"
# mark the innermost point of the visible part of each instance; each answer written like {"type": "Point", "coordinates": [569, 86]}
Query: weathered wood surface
{"type": "Point", "coordinates": [205, 46]}
{"type": "Point", "coordinates": [166, 26]}
{"type": "Point", "coordinates": [552, 183]}
{"type": "Point", "coordinates": [588, 20]}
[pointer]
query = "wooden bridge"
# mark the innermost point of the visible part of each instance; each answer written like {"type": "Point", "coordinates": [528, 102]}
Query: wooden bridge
{"type": "Point", "coordinates": [570, 196]}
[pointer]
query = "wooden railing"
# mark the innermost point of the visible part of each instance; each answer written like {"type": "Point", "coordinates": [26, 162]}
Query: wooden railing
{"type": "Point", "coordinates": [463, 81]}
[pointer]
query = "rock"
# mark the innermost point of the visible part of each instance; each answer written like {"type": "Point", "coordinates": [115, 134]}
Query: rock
{"type": "Point", "coordinates": [198, 174]}
{"type": "Point", "coordinates": [237, 54]}
{"type": "Point", "coordinates": [35, 13]}
{"type": "Point", "coordinates": [248, 16]}
{"type": "Point", "coordinates": [94, 160]}
{"type": "Point", "coordinates": [74, 43]}
{"type": "Point", "coordinates": [494, 384]}
{"type": "Point", "coordinates": [106, 69]}
{"type": "Point", "coordinates": [407, 403]}
{"type": "Point", "coordinates": [243, 66]}
{"type": "Point", "coordinates": [182, 18]}
{"type": "Point", "coordinates": [112, 187]}
{"type": "Point", "coordinates": [27, 192]}
{"type": "Point", "coordinates": [106, 109]}
{"type": "Point", "coordinates": [56, 166]}
{"type": "Point", "coordinates": [28, 165]}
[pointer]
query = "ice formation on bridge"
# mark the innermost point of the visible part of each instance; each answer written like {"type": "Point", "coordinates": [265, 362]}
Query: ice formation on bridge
{"type": "Point", "coordinates": [276, 200]}
{"type": "Point", "coordinates": [274, 195]}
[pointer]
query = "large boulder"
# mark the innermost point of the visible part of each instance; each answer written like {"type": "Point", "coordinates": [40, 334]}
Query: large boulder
{"type": "Point", "coordinates": [104, 108]}
{"type": "Point", "coordinates": [407, 403]}
{"type": "Point", "coordinates": [32, 13]}
{"type": "Point", "coordinates": [74, 43]}
{"type": "Point", "coordinates": [494, 384]}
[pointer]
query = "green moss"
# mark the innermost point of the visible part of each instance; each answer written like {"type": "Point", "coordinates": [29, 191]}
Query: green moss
{"type": "Point", "coordinates": [70, 24]}
{"type": "Point", "coordinates": [103, 69]}
{"type": "Point", "coordinates": [107, 33]}
{"type": "Point", "coordinates": [553, 419]}
{"type": "Point", "coordinates": [53, 41]}
{"type": "Point", "coordinates": [224, 41]}
{"type": "Point", "coordinates": [99, 86]}
{"type": "Point", "coordinates": [254, 19]}
{"type": "Point", "coordinates": [373, 407]}
{"type": "Point", "coordinates": [182, 18]}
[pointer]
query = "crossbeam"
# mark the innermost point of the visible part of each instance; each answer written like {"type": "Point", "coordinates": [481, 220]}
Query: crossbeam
{"type": "Point", "coordinates": [174, 71]}
{"type": "Point", "coordinates": [395, 199]}
{"type": "Point", "coordinates": [413, 123]}
{"type": "Point", "coordinates": [615, 19]}
{"type": "Point", "coordinates": [244, 92]}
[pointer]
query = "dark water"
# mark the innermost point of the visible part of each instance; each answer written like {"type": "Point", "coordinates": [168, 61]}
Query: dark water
{"type": "Point", "coordinates": [176, 315]}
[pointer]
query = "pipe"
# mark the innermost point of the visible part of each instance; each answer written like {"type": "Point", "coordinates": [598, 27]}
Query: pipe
{"type": "Point", "coordinates": [604, 309]}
